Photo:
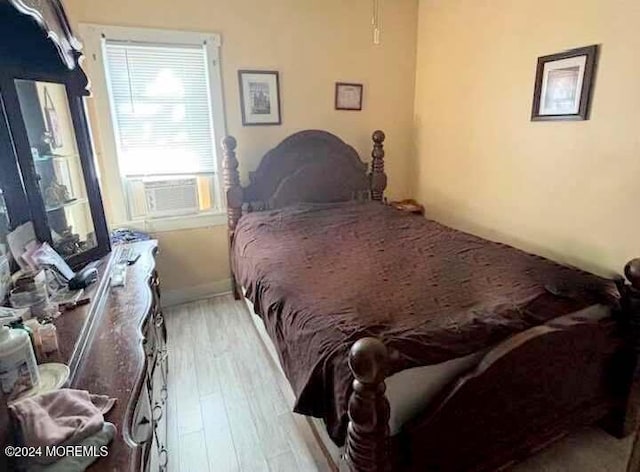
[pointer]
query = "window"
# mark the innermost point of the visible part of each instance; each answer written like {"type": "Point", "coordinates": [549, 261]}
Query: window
{"type": "Point", "coordinates": [163, 119]}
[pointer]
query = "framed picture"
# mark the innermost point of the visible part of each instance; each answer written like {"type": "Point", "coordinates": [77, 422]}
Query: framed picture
{"type": "Point", "coordinates": [348, 96]}
{"type": "Point", "coordinates": [259, 97]}
{"type": "Point", "coordinates": [563, 85]}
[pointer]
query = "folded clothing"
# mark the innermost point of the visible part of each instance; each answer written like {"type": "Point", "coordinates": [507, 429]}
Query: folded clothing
{"type": "Point", "coordinates": [61, 417]}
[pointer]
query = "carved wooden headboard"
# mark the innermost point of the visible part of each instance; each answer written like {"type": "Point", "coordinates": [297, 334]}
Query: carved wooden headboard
{"type": "Point", "coordinates": [309, 166]}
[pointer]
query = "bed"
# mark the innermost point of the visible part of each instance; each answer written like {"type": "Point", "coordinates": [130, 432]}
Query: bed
{"type": "Point", "coordinates": [488, 352]}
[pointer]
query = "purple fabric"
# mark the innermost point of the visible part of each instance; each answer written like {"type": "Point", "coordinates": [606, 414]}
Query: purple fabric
{"type": "Point", "coordinates": [323, 276]}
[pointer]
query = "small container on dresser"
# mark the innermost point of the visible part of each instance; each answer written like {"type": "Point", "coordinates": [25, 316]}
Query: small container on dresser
{"type": "Point", "coordinates": [18, 368]}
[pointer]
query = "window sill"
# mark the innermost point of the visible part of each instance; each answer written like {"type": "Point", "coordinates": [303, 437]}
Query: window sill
{"type": "Point", "coordinates": [177, 223]}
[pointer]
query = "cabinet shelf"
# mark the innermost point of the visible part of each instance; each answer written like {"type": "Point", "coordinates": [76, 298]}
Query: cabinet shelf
{"type": "Point", "coordinates": [70, 203]}
{"type": "Point", "coordinates": [54, 157]}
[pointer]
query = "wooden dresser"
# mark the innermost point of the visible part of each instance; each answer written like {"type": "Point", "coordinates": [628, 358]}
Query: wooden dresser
{"type": "Point", "coordinates": [126, 358]}
{"type": "Point", "coordinates": [116, 346]}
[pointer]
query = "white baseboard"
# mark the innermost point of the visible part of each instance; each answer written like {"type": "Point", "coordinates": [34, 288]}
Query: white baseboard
{"type": "Point", "coordinates": [198, 292]}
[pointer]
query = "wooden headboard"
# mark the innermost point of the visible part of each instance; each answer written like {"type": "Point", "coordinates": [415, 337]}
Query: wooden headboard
{"type": "Point", "coordinates": [307, 167]}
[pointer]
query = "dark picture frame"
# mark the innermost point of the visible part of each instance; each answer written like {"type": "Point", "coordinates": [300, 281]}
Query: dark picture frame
{"type": "Point", "coordinates": [564, 85]}
{"type": "Point", "coordinates": [260, 97]}
{"type": "Point", "coordinates": [342, 98]}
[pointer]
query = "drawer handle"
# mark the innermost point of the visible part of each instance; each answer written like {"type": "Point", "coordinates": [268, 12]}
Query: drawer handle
{"type": "Point", "coordinates": [163, 459]}
{"type": "Point", "coordinates": [157, 413]}
{"type": "Point", "coordinates": [163, 355]}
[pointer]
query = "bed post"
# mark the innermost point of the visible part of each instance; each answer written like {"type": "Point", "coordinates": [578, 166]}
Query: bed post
{"type": "Point", "coordinates": [628, 420]}
{"type": "Point", "coordinates": [377, 175]}
{"type": "Point", "coordinates": [233, 195]}
{"type": "Point", "coordinates": [367, 444]}
{"type": "Point", "coordinates": [631, 307]}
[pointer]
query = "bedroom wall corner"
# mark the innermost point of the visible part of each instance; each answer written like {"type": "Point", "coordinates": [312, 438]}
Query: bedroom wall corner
{"type": "Point", "coordinates": [193, 264]}
{"type": "Point", "coordinates": [565, 190]}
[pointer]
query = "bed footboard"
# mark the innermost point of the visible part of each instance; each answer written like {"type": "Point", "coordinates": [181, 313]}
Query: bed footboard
{"type": "Point", "coordinates": [627, 419]}
{"type": "Point", "coordinates": [528, 391]}
{"type": "Point", "coordinates": [367, 445]}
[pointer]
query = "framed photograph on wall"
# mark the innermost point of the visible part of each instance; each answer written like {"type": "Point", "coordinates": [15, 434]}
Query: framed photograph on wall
{"type": "Point", "coordinates": [348, 96]}
{"type": "Point", "coordinates": [259, 97]}
{"type": "Point", "coordinates": [563, 86]}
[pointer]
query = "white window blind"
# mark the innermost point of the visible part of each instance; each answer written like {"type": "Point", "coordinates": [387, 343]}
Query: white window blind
{"type": "Point", "coordinates": [161, 108]}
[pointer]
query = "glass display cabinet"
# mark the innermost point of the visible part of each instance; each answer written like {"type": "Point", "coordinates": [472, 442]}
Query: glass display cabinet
{"type": "Point", "coordinates": [47, 168]}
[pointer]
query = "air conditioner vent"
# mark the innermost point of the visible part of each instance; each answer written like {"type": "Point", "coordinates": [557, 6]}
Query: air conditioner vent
{"type": "Point", "coordinates": [171, 197]}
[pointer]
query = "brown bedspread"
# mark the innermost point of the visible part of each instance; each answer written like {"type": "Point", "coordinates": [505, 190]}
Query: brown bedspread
{"type": "Point", "coordinates": [323, 276]}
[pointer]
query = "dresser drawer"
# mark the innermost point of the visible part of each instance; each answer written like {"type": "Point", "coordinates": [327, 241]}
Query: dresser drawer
{"type": "Point", "coordinates": [158, 456]}
{"type": "Point", "coordinates": [149, 338]}
{"type": "Point", "coordinates": [150, 419]}
{"type": "Point", "coordinates": [160, 330]}
{"type": "Point", "coordinates": [142, 427]}
{"type": "Point", "coordinates": [122, 359]}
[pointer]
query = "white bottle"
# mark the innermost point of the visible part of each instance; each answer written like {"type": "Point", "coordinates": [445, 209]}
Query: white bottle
{"type": "Point", "coordinates": [18, 368]}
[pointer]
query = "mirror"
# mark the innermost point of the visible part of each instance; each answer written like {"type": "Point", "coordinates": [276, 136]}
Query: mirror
{"type": "Point", "coordinates": [57, 166]}
{"type": "Point", "coordinates": [4, 224]}
{"type": "Point", "coordinates": [5, 274]}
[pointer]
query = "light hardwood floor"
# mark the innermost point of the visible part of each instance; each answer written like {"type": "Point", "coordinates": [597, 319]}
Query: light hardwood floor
{"type": "Point", "coordinates": [228, 412]}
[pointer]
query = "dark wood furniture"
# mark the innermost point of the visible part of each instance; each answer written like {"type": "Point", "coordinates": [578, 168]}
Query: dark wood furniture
{"type": "Point", "coordinates": [5, 432]}
{"type": "Point", "coordinates": [116, 346]}
{"type": "Point", "coordinates": [632, 301]}
{"type": "Point", "coordinates": [47, 168]}
{"type": "Point", "coordinates": [309, 166]}
{"type": "Point", "coordinates": [526, 392]}
{"type": "Point", "coordinates": [126, 358]}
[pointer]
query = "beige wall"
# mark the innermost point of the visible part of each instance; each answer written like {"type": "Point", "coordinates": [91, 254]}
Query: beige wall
{"type": "Point", "coordinates": [193, 263]}
{"type": "Point", "coordinates": [313, 43]}
{"type": "Point", "coordinates": [568, 190]}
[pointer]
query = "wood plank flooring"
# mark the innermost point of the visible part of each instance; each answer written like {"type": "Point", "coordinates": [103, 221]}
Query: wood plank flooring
{"type": "Point", "coordinates": [228, 412]}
